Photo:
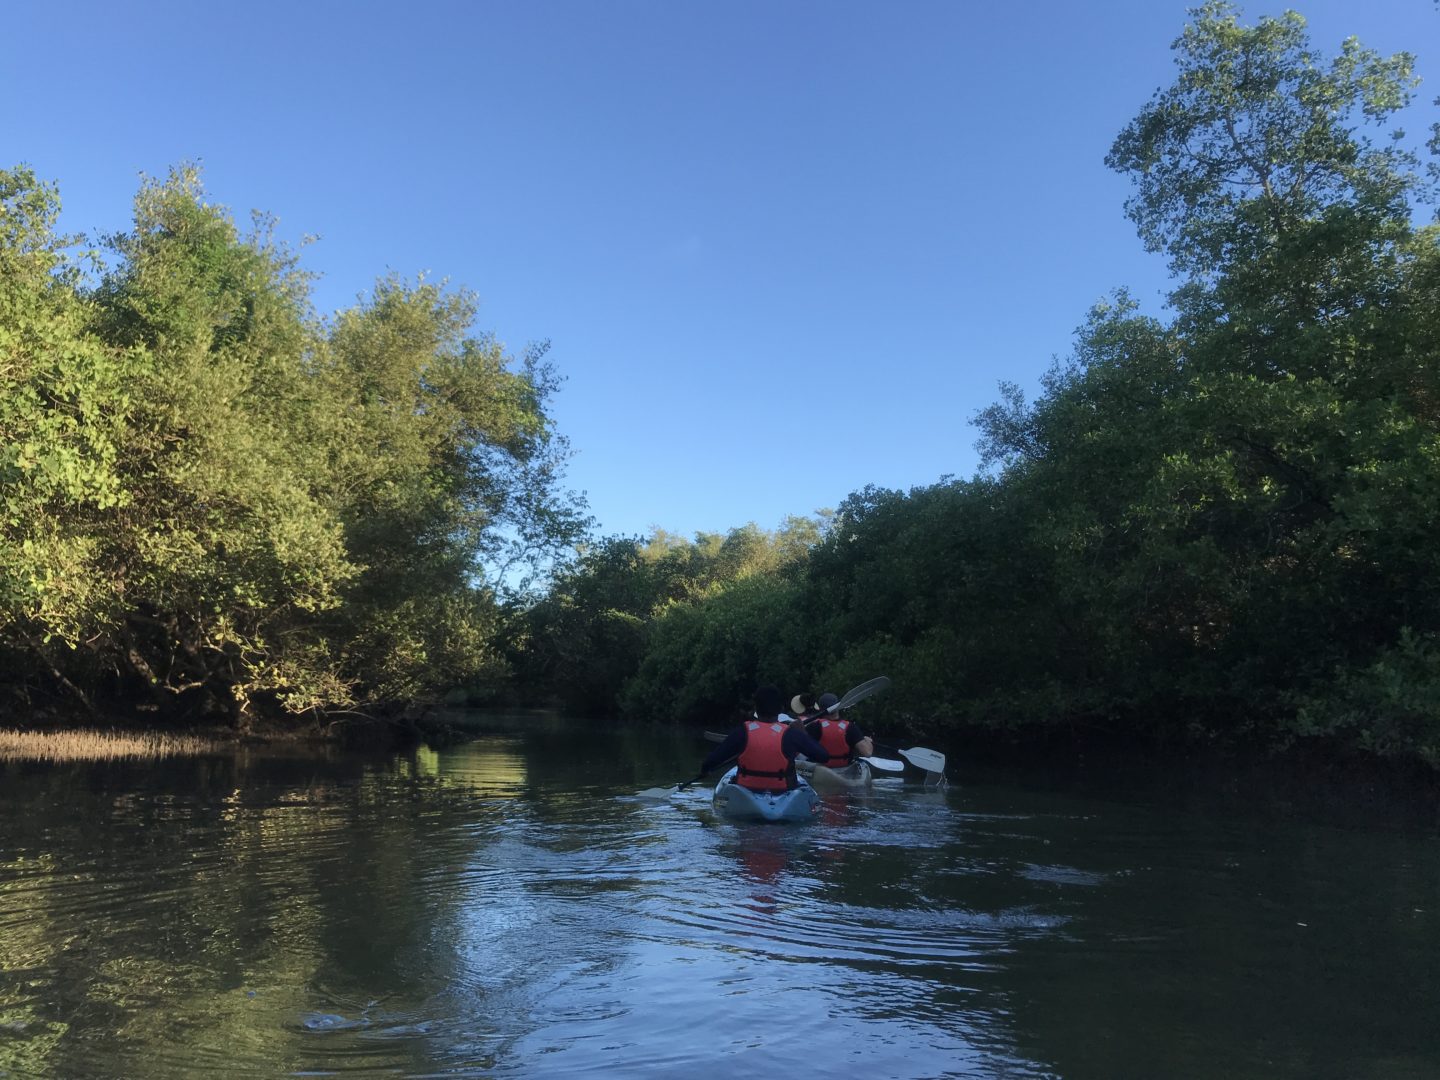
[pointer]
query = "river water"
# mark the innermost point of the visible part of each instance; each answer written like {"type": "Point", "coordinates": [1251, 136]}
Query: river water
{"type": "Point", "coordinates": [503, 908]}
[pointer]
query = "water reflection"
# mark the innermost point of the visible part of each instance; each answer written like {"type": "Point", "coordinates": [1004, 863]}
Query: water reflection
{"type": "Point", "coordinates": [500, 909]}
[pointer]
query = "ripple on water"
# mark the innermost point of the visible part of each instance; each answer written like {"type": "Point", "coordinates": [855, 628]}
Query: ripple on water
{"type": "Point", "coordinates": [497, 919]}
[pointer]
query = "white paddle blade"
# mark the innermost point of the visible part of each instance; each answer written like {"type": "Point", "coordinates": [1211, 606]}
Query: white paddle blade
{"type": "Point", "coordinates": [884, 764]}
{"type": "Point", "coordinates": [657, 793]}
{"type": "Point", "coordinates": [921, 758]}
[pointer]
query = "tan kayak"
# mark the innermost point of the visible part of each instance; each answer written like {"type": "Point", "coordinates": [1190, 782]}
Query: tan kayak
{"type": "Point", "coordinates": [853, 777]}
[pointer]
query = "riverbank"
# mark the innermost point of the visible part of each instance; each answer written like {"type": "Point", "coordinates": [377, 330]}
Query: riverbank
{"type": "Point", "coordinates": [1316, 780]}
{"type": "Point", "coordinates": [125, 736]}
{"type": "Point", "coordinates": [99, 745]}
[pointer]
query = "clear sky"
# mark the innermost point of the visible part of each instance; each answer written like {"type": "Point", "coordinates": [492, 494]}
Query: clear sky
{"type": "Point", "coordinates": [781, 250]}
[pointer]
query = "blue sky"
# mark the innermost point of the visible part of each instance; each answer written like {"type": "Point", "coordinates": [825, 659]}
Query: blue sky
{"type": "Point", "coordinates": [781, 250]}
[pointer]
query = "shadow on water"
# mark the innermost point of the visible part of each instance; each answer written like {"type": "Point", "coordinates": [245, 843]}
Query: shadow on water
{"type": "Point", "coordinates": [503, 908]}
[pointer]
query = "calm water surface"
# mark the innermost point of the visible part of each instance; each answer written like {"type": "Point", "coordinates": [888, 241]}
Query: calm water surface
{"type": "Point", "coordinates": [502, 909]}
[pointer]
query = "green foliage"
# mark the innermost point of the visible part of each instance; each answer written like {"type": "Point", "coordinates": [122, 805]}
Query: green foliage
{"type": "Point", "coordinates": [214, 499]}
{"type": "Point", "coordinates": [63, 415]}
{"type": "Point", "coordinates": [704, 660]}
{"type": "Point", "coordinates": [588, 635]}
{"type": "Point", "coordinates": [1390, 707]}
{"type": "Point", "coordinates": [445, 463]}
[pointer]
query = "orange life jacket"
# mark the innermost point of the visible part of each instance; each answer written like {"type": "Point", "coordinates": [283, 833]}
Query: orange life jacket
{"type": "Point", "coordinates": [763, 765]}
{"type": "Point", "coordinates": [832, 738]}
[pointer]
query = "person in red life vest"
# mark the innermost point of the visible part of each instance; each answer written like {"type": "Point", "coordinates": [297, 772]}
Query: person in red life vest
{"type": "Point", "coordinates": [766, 747]}
{"type": "Point", "coordinates": [842, 739]}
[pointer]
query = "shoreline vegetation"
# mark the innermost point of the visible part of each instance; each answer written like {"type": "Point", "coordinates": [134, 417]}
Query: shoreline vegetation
{"type": "Point", "coordinates": [90, 744]}
{"type": "Point", "coordinates": [1209, 533]}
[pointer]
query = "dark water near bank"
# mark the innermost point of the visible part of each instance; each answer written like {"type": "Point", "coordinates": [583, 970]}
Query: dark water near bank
{"type": "Point", "coordinates": [499, 909]}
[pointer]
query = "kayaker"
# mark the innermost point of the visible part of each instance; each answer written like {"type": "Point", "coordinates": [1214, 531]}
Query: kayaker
{"type": "Point", "coordinates": [842, 739]}
{"type": "Point", "coordinates": [766, 747]}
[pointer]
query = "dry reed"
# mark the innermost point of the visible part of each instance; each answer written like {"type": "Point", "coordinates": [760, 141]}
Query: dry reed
{"type": "Point", "coordinates": [83, 745]}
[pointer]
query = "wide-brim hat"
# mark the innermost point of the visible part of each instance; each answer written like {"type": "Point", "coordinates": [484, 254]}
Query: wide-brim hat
{"type": "Point", "coordinates": [798, 705]}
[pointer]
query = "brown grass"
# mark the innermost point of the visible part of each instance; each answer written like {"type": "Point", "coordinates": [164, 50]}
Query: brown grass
{"type": "Point", "coordinates": [97, 745]}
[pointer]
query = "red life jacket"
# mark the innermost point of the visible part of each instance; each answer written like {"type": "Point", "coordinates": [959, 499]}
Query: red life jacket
{"type": "Point", "coordinates": [763, 765]}
{"type": "Point", "coordinates": [832, 738]}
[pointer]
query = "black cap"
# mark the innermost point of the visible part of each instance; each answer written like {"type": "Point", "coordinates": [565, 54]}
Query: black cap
{"type": "Point", "coordinates": [826, 700]}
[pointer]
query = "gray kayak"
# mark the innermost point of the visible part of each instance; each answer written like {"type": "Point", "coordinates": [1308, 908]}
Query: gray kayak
{"type": "Point", "coordinates": [800, 803]}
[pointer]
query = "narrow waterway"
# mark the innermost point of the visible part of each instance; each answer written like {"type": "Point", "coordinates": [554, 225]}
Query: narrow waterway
{"type": "Point", "coordinates": [503, 908]}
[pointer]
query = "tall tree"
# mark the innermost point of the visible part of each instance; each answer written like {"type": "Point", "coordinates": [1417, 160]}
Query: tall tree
{"type": "Point", "coordinates": [217, 500]}
{"type": "Point", "coordinates": [1256, 145]}
{"type": "Point", "coordinates": [65, 401]}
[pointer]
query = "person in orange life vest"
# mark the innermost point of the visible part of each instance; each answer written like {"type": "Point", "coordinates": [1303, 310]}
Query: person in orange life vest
{"type": "Point", "coordinates": [766, 747]}
{"type": "Point", "coordinates": [842, 739]}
